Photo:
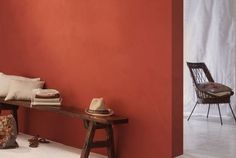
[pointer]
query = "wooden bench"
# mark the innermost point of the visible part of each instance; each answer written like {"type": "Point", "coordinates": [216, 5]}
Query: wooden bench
{"type": "Point", "coordinates": [91, 123]}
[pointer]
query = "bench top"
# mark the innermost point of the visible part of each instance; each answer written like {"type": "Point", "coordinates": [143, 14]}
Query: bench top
{"type": "Point", "coordinates": [73, 112]}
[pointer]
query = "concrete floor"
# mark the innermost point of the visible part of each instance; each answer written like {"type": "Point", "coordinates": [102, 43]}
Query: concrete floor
{"type": "Point", "coordinates": [206, 138]}
{"type": "Point", "coordinates": [51, 150]}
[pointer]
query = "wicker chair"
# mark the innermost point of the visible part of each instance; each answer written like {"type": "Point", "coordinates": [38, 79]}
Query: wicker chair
{"type": "Point", "coordinates": [201, 75]}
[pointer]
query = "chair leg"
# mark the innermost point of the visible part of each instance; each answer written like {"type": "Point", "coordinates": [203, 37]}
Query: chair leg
{"type": "Point", "coordinates": [220, 114]}
{"type": "Point", "coordinates": [192, 111]}
{"type": "Point", "coordinates": [232, 111]}
{"type": "Point", "coordinates": [208, 110]}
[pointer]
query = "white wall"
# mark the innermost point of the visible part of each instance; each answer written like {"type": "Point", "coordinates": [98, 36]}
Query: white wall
{"type": "Point", "coordinates": [210, 37]}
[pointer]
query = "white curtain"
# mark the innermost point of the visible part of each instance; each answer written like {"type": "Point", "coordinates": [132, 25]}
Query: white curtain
{"type": "Point", "coordinates": [210, 37]}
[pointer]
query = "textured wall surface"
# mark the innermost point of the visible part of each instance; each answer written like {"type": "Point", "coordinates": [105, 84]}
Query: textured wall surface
{"type": "Point", "coordinates": [120, 50]}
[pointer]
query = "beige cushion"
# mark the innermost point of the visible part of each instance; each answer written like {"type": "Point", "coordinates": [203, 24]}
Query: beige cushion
{"type": "Point", "coordinates": [5, 81]}
{"type": "Point", "coordinates": [22, 89]}
{"type": "Point", "coordinates": [221, 94]}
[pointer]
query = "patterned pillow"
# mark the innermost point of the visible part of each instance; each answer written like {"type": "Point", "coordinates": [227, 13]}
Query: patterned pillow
{"type": "Point", "coordinates": [8, 132]}
{"type": "Point", "coordinates": [216, 89]}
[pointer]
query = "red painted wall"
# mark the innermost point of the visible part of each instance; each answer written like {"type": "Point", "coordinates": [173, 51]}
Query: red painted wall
{"type": "Point", "coordinates": [120, 50]}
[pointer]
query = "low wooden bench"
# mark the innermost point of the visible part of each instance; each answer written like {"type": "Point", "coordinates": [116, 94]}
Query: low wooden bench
{"type": "Point", "coordinates": [91, 123]}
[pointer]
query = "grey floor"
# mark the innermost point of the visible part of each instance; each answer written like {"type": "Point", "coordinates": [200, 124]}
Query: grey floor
{"type": "Point", "coordinates": [51, 150]}
{"type": "Point", "coordinates": [206, 138]}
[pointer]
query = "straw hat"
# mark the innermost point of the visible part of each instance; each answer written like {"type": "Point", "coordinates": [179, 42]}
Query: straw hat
{"type": "Point", "coordinates": [98, 108]}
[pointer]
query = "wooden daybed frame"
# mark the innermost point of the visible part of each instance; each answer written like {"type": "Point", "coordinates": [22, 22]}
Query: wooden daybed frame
{"type": "Point", "coordinates": [91, 123]}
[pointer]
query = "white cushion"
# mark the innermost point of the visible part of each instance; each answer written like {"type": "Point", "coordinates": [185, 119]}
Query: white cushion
{"type": "Point", "coordinates": [22, 89]}
{"type": "Point", "coordinates": [5, 81]}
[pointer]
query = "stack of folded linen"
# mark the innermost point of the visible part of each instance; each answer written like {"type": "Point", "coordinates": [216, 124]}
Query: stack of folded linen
{"type": "Point", "coordinates": [46, 97]}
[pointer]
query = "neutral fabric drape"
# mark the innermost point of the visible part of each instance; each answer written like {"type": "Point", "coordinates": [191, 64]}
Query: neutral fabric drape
{"type": "Point", "coordinates": [210, 37]}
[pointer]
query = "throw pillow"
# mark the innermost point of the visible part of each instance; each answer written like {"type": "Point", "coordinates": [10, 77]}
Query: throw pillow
{"type": "Point", "coordinates": [216, 89]}
{"type": "Point", "coordinates": [5, 81]}
{"type": "Point", "coordinates": [22, 90]}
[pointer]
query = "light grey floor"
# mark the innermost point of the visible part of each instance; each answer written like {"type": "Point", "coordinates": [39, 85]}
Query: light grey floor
{"type": "Point", "coordinates": [51, 150]}
{"type": "Point", "coordinates": [206, 138]}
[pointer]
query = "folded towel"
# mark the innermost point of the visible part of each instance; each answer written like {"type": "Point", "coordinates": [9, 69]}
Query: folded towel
{"type": "Point", "coordinates": [45, 93]}
{"type": "Point", "coordinates": [51, 96]}
{"type": "Point", "coordinates": [47, 100]}
{"type": "Point", "coordinates": [46, 104]}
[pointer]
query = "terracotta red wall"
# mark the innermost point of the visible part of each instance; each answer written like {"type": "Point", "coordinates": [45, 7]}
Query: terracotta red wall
{"type": "Point", "coordinates": [120, 50]}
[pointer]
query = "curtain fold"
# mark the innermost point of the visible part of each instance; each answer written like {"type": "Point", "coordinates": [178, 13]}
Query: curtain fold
{"type": "Point", "coordinates": [210, 37]}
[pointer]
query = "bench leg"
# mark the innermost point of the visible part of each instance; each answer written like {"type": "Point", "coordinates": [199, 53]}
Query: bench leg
{"type": "Point", "coordinates": [110, 140]}
{"type": "Point", "coordinates": [90, 143]}
{"type": "Point", "coordinates": [88, 140]}
{"type": "Point", "coordinates": [14, 113]}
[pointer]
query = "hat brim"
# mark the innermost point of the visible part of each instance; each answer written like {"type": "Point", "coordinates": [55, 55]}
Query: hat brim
{"type": "Point", "coordinates": [111, 112]}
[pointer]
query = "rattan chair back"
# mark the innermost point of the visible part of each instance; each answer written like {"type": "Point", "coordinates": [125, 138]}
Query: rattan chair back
{"type": "Point", "coordinates": [199, 73]}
